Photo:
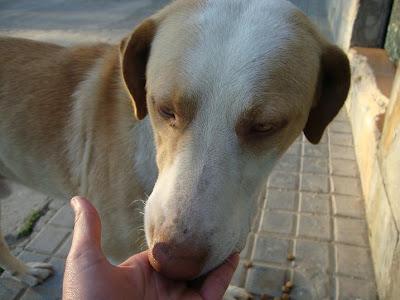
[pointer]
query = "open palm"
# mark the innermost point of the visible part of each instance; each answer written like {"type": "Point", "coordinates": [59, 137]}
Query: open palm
{"type": "Point", "coordinates": [89, 275]}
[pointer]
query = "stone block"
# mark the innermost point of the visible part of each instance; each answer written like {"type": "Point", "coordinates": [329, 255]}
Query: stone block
{"type": "Point", "coordinates": [320, 150]}
{"type": "Point", "coordinates": [294, 149]}
{"type": "Point", "coordinates": [265, 280]}
{"type": "Point", "coordinates": [343, 139]}
{"type": "Point", "coordinates": [64, 217]}
{"type": "Point", "coordinates": [352, 288]}
{"type": "Point", "coordinates": [351, 231]}
{"type": "Point", "coordinates": [52, 287]}
{"type": "Point", "coordinates": [278, 222]}
{"type": "Point", "coordinates": [315, 183]}
{"type": "Point", "coordinates": [346, 186]}
{"type": "Point", "coordinates": [310, 283]}
{"type": "Point", "coordinates": [288, 163]}
{"type": "Point", "coordinates": [343, 152]}
{"type": "Point", "coordinates": [315, 165]}
{"type": "Point", "coordinates": [284, 181]}
{"type": "Point", "coordinates": [64, 249]}
{"type": "Point", "coordinates": [348, 206]}
{"type": "Point", "coordinates": [312, 254]}
{"type": "Point", "coordinates": [28, 256]}
{"type": "Point", "coordinates": [315, 203]}
{"type": "Point", "coordinates": [239, 277]}
{"type": "Point", "coordinates": [10, 288]}
{"type": "Point", "coordinates": [282, 199]}
{"type": "Point", "coordinates": [353, 261]}
{"type": "Point", "coordinates": [48, 239]}
{"type": "Point", "coordinates": [315, 226]}
{"type": "Point", "coordinates": [271, 249]}
{"type": "Point", "coordinates": [344, 167]}
{"type": "Point", "coordinates": [340, 127]}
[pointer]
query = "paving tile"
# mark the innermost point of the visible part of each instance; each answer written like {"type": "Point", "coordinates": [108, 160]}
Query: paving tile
{"type": "Point", "coordinates": [288, 163]}
{"type": "Point", "coordinates": [340, 126]}
{"type": "Point", "coordinates": [343, 139]}
{"type": "Point", "coordinates": [315, 226]}
{"type": "Point", "coordinates": [246, 252]}
{"type": "Point", "coordinates": [346, 186]}
{"type": "Point", "coordinates": [284, 181]}
{"type": "Point", "coordinates": [64, 217]}
{"type": "Point", "coordinates": [315, 203]}
{"type": "Point", "coordinates": [294, 149]}
{"type": "Point", "coordinates": [351, 231]}
{"type": "Point", "coordinates": [316, 150]}
{"type": "Point", "coordinates": [271, 249]}
{"type": "Point", "coordinates": [310, 283]}
{"type": "Point", "coordinates": [52, 287]}
{"type": "Point", "coordinates": [282, 199]}
{"type": "Point", "coordinates": [265, 280]}
{"type": "Point", "coordinates": [348, 206]}
{"type": "Point", "coordinates": [315, 183]}
{"type": "Point", "coordinates": [48, 239]}
{"type": "Point", "coordinates": [353, 261]}
{"type": "Point", "coordinates": [342, 152]}
{"type": "Point", "coordinates": [344, 167]}
{"type": "Point", "coordinates": [315, 165]}
{"type": "Point", "coordinates": [278, 222]}
{"type": "Point", "coordinates": [239, 277]}
{"type": "Point", "coordinates": [28, 256]}
{"type": "Point", "coordinates": [351, 288]}
{"type": "Point", "coordinates": [312, 254]}
{"type": "Point", "coordinates": [10, 288]}
{"type": "Point", "coordinates": [64, 249]}
{"type": "Point", "coordinates": [342, 115]}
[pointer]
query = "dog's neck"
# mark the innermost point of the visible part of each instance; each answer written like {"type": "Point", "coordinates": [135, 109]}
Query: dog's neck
{"type": "Point", "coordinates": [105, 127]}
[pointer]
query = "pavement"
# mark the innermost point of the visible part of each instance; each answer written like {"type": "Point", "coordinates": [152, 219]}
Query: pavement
{"type": "Point", "coordinates": [312, 211]}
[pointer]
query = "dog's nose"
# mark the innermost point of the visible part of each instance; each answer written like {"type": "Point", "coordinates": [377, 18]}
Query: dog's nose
{"type": "Point", "coordinates": [182, 262]}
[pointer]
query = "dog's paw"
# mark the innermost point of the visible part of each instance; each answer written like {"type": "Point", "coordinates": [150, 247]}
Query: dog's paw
{"type": "Point", "coordinates": [237, 293]}
{"type": "Point", "coordinates": [36, 273]}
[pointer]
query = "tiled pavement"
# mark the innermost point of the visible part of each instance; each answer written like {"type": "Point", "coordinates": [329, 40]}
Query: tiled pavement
{"type": "Point", "coordinates": [313, 211]}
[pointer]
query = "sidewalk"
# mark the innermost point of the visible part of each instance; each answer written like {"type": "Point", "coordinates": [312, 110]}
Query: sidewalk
{"type": "Point", "coordinates": [313, 210]}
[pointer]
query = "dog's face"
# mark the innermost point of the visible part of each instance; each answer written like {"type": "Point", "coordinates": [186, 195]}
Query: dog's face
{"type": "Point", "coordinates": [228, 86]}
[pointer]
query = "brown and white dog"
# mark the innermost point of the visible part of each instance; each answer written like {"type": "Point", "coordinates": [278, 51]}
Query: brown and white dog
{"type": "Point", "coordinates": [219, 90]}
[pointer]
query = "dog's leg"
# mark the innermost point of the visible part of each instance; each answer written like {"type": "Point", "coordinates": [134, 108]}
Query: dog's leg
{"type": "Point", "coordinates": [30, 273]}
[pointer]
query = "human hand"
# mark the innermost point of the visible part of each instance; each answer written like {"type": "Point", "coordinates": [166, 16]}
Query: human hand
{"type": "Point", "coordinates": [89, 275]}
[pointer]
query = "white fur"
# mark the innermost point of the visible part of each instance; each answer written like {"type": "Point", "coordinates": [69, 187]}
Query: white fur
{"type": "Point", "coordinates": [212, 185]}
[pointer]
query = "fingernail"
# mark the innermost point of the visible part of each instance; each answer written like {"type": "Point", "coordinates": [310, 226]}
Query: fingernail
{"type": "Point", "coordinates": [75, 203]}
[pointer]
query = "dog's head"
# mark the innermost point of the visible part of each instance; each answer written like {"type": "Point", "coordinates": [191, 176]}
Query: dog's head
{"type": "Point", "coordinates": [228, 85]}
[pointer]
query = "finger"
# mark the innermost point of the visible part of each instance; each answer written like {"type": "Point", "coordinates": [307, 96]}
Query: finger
{"type": "Point", "coordinates": [217, 281]}
{"type": "Point", "coordinates": [139, 258]}
{"type": "Point", "coordinates": [87, 229]}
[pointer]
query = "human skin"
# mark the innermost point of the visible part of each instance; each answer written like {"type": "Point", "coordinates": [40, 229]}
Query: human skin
{"type": "Point", "coordinates": [89, 275]}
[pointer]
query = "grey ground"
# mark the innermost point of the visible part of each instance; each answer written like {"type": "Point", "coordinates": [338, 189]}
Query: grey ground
{"type": "Point", "coordinates": [312, 209]}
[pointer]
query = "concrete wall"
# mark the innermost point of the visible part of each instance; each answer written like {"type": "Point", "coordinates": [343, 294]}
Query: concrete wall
{"type": "Point", "coordinates": [375, 118]}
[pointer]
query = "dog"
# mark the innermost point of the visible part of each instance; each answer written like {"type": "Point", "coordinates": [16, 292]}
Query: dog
{"type": "Point", "coordinates": [190, 112]}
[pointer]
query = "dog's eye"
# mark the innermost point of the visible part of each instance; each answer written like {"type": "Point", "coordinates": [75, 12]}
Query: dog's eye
{"type": "Point", "coordinates": [267, 128]}
{"type": "Point", "coordinates": [263, 128]}
{"type": "Point", "coordinates": [166, 112]}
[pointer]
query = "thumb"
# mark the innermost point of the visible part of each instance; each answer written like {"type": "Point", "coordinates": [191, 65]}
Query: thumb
{"type": "Point", "coordinates": [87, 229]}
{"type": "Point", "coordinates": [218, 280]}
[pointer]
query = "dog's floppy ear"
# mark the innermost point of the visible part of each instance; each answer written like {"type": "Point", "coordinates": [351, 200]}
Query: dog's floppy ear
{"type": "Point", "coordinates": [331, 93]}
{"type": "Point", "coordinates": [135, 51]}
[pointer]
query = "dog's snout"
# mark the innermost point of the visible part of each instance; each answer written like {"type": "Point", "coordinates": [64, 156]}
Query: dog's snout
{"type": "Point", "coordinates": [183, 261]}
